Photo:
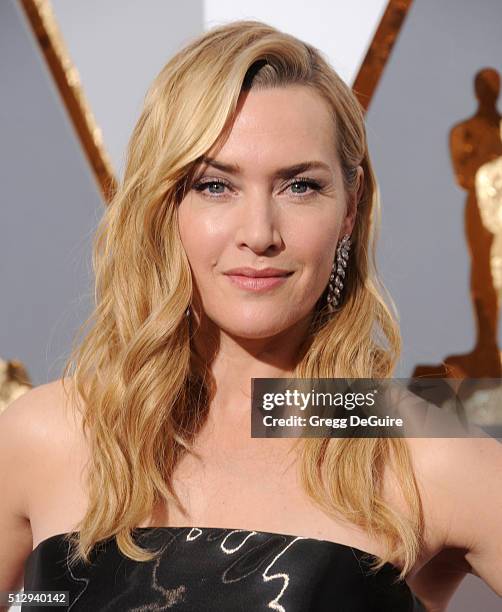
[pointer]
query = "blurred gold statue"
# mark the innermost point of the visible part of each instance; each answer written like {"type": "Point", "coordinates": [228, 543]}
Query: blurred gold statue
{"type": "Point", "coordinates": [14, 381]}
{"type": "Point", "coordinates": [488, 184]}
{"type": "Point", "coordinates": [476, 146]}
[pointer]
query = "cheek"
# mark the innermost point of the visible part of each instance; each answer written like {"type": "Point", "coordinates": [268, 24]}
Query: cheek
{"type": "Point", "coordinates": [317, 251]}
{"type": "Point", "coordinates": [202, 242]}
{"type": "Point", "coordinates": [319, 268]}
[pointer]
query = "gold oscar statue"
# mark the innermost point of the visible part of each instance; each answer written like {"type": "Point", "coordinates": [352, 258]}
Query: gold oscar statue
{"type": "Point", "coordinates": [476, 149]}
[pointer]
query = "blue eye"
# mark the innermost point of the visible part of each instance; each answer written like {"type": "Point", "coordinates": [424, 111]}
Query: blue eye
{"type": "Point", "coordinates": [201, 186]}
{"type": "Point", "coordinates": [310, 183]}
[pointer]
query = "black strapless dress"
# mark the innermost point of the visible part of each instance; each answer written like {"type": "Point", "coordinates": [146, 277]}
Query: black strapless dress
{"type": "Point", "coordinates": [219, 570]}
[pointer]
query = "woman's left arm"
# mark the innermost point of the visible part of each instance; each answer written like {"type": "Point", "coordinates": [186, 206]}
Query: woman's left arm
{"type": "Point", "coordinates": [471, 473]}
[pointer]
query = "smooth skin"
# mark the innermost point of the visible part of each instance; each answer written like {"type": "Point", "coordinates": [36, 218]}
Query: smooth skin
{"type": "Point", "coordinates": [257, 219]}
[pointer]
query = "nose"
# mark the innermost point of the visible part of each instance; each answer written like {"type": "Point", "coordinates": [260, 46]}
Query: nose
{"type": "Point", "coordinates": [258, 224]}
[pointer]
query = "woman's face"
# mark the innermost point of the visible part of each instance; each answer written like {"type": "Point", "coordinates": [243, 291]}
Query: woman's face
{"type": "Point", "coordinates": [252, 208]}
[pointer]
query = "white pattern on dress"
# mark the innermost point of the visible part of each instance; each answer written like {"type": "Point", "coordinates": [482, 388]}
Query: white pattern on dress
{"type": "Point", "coordinates": [274, 604]}
{"type": "Point", "coordinates": [227, 550]}
{"type": "Point", "coordinates": [86, 580]}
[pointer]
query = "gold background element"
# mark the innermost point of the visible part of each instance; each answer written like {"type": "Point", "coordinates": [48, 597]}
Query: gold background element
{"type": "Point", "coordinates": [476, 150]}
{"type": "Point", "coordinates": [488, 183]}
{"type": "Point", "coordinates": [44, 25]}
{"type": "Point", "coordinates": [14, 381]}
{"type": "Point", "coordinates": [379, 50]}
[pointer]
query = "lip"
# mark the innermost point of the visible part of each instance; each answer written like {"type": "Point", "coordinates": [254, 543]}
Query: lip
{"type": "Point", "coordinates": [256, 273]}
{"type": "Point", "coordinates": [257, 283]}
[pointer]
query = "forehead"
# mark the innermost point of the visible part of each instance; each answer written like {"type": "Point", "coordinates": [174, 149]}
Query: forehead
{"type": "Point", "coordinates": [280, 126]}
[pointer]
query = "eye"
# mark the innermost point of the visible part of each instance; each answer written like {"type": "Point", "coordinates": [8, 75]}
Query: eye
{"type": "Point", "coordinates": [305, 182]}
{"type": "Point", "coordinates": [201, 186]}
{"type": "Point", "coordinates": [209, 184]}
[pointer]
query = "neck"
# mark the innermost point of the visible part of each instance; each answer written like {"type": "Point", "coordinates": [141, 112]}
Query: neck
{"type": "Point", "coordinates": [234, 361]}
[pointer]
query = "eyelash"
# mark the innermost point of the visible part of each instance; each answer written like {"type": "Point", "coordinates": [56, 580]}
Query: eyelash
{"type": "Point", "coordinates": [200, 186]}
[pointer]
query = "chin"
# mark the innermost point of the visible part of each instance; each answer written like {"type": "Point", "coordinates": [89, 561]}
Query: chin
{"type": "Point", "coordinates": [253, 334]}
{"type": "Point", "coordinates": [264, 327]}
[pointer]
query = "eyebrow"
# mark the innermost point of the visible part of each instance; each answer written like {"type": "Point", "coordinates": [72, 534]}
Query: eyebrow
{"type": "Point", "coordinates": [284, 173]}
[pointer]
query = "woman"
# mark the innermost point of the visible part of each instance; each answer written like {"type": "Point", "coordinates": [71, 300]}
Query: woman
{"type": "Point", "coordinates": [137, 484]}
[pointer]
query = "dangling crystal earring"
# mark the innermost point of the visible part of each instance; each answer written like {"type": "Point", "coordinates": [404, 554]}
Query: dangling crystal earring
{"type": "Point", "coordinates": [187, 312]}
{"type": "Point", "coordinates": [338, 273]}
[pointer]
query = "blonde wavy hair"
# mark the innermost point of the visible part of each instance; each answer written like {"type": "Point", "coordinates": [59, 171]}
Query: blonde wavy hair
{"type": "Point", "coordinates": [133, 373]}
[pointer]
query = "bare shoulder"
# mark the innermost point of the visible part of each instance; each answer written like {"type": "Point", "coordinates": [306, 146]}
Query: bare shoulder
{"type": "Point", "coordinates": [43, 407]}
{"type": "Point", "coordinates": [34, 429]}
{"type": "Point", "coordinates": [39, 427]}
{"type": "Point", "coordinates": [43, 427]}
{"type": "Point", "coordinates": [461, 484]}
{"type": "Point", "coordinates": [29, 427]}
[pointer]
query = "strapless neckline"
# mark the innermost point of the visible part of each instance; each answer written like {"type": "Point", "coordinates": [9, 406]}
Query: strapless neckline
{"type": "Point", "coordinates": [220, 569]}
{"type": "Point", "coordinates": [359, 551]}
